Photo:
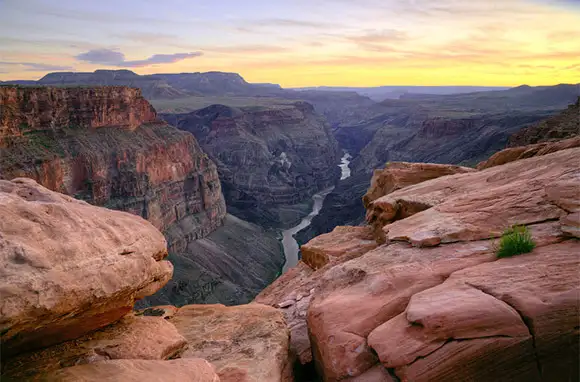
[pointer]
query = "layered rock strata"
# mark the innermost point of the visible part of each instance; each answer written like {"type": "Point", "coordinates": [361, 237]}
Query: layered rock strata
{"type": "Point", "coordinates": [270, 160]}
{"type": "Point", "coordinates": [105, 145]}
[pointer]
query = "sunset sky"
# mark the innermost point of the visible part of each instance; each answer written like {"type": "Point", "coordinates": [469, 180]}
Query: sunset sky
{"type": "Point", "coordinates": [300, 42]}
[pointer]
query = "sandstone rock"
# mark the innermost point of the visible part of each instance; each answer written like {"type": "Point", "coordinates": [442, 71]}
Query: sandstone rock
{"type": "Point", "coordinates": [186, 370]}
{"type": "Point", "coordinates": [245, 343]}
{"type": "Point", "coordinates": [476, 205]}
{"type": "Point", "coordinates": [29, 109]}
{"type": "Point", "coordinates": [354, 298]}
{"type": "Point", "coordinates": [343, 244]}
{"type": "Point", "coordinates": [397, 175]}
{"type": "Point", "coordinates": [68, 267]}
{"type": "Point", "coordinates": [565, 194]}
{"type": "Point", "coordinates": [511, 319]}
{"type": "Point", "coordinates": [133, 337]}
{"type": "Point", "coordinates": [571, 224]}
{"type": "Point", "coordinates": [342, 241]}
{"type": "Point", "coordinates": [522, 152]}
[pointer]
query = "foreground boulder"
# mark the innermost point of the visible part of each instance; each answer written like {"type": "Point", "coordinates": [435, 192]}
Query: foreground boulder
{"type": "Point", "coordinates": [246, 343]}
{"type": "Point", "coordinates": [132, 337]}
{"type": "Point", "coordinates": [182, 370]}
{"type": "Point", "coordinates": [293, 291]}
{"type": "Point", "coordinates": [68, 268]}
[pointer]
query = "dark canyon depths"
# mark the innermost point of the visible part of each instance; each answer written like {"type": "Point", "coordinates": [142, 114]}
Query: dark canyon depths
{"type": "Point", "coordinates": [270, 160]}
{"type": "Point", "coordinates": [105, 145]}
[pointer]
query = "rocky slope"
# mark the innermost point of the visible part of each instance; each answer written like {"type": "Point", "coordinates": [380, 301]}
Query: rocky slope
{"type": "Point", "coordinates": [561, 126]}
{"type": "Point", "coordinates": [230, 266]}
{"type": "Point", "coordinates": [420, 295]}
{"type": "Point", "coordinates": [106, 146]}
{"type": "Point", "coordinates": [270, 160]}
{"type": "Point", "coordinates": [70, 275]}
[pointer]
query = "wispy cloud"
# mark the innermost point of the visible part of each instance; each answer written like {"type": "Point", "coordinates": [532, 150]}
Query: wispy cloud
{"type": "Point", "coordinates": [248, 49]}
{"type": "Point", "coordinates": [36, 67]}
{"type": "Point", "coordinates": [116, 58]}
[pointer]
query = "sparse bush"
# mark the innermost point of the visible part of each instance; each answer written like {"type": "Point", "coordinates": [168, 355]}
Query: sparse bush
{"type": "Point", "coordinates": [515, 241]}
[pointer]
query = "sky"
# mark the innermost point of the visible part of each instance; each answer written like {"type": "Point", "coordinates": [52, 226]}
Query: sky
{"type": "Point", "coordinates": [300, 42]}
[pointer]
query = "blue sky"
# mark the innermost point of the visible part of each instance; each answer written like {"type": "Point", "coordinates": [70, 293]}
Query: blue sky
{"type": "Point", "coordinates": [299, 42]}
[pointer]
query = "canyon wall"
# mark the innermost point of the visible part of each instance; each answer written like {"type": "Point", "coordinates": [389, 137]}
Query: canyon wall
{"type": "Point", "coordinates": [270, 160]}
{"type": "Point", "coordinates": [106, 146]}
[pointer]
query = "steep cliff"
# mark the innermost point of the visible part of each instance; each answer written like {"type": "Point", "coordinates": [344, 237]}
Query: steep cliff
{"type": "Point", "coordinates": [270, 160]}
{"type": "Point", "coordinates": [106, 146]}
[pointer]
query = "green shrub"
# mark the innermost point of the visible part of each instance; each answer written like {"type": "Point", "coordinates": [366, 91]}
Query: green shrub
{"type": "Point", "coordinates": [515, 241]}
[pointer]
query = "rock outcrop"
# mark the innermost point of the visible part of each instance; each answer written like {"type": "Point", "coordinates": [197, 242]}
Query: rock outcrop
{"type": "Point", "coordinates": [515, 153]}
{"type": "Point", "coordinates": [246, 343]}
{"type": "Point", "coordinates": [434, 302]}
{"type": "Point", "coordinates": [55, 289]}
{"type": "Point", "coordinates": [70, 275]}
{"type": "Point", "coordinates": [105, 146]}
{"type": "Point", "coordinates": [186, 370]}
{"type": "Point", "coordinates": [562, 126]}
{"type": "Point", "coordinates": [270, 160]}
{"type": "Point", "coordinates": [397, 175]}
{"type": "Point", "coordinates": [133, 337]}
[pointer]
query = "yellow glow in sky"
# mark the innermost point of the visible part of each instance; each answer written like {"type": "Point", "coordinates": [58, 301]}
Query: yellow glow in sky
{"type": "Point", "coordinates": [298, 43]}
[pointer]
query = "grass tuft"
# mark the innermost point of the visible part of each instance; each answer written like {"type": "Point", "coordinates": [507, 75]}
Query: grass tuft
{"type": "Point", "coordinates": [515, 241]}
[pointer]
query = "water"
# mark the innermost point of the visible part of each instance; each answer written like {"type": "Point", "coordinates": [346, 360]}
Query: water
{"type": "Point", "coordinates": [290, 245]}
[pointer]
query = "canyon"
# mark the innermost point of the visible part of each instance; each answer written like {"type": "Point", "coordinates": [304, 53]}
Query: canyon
{"type": "Point", "coordinates": [456, 129]}
{"type": "Point", "coordinates": [106, 146]}
{"type": "Point", "coordinates": [164, 213]}
{"type": "Point", "coordinates": [379, 302]}
{"type": "Point", "coordinates": [270, 160]}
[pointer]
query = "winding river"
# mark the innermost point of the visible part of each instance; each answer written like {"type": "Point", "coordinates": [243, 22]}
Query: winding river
{"type": "Point", "coordinates": [290, 245]}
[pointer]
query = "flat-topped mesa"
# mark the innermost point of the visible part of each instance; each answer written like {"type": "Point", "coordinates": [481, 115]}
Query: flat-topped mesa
{"type": "Point", "coordinates": [25, 110]}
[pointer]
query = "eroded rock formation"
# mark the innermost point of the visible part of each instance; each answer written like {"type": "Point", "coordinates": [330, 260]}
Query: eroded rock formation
{"type": "Point", "coordinates": [430, 300]}
{"type": "Point", "coordinates": [270, 160]}
{"type": "Point", "coordinates": [70, 275]}
{"type": "Point", "coordinates": [68, 267]}
{"type": "Point", "coordinates": [105, 146]}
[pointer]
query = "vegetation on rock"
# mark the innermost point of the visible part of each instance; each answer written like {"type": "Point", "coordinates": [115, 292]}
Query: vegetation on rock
{"type": "Point", "coordinates": [515, 241]}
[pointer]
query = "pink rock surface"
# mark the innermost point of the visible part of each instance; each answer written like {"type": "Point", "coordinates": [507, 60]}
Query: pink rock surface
{"type": "Point", "coordinates": [68, 268]}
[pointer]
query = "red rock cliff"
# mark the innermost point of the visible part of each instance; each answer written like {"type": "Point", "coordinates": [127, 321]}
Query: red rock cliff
{"type": "Point", "coordinates": [29, 109]}
{"type": "Point", "coordinates": [105, 146]}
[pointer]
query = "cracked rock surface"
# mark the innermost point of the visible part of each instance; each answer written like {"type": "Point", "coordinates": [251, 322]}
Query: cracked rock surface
{"type": "Point", "coordinates": [433, 302]}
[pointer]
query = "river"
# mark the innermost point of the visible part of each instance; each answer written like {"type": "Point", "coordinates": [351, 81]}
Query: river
{"type": "Point", "coordinates": [291, 248]}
